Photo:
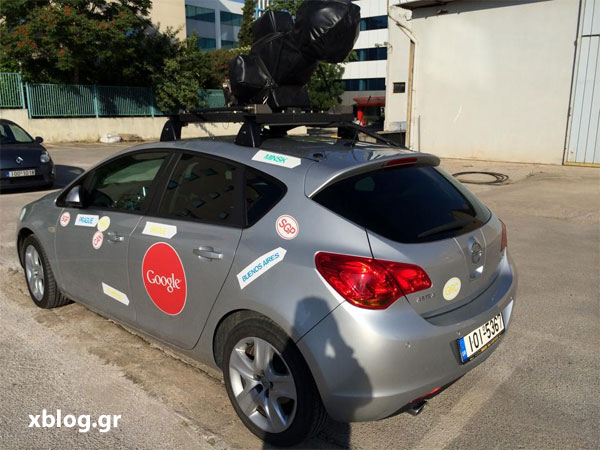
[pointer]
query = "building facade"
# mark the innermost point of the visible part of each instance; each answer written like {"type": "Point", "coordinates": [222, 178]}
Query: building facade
{"type": "Point", "coordinates": [366, 76]}
{"type": "Point", "coordinates": [497, 80]}
{"type": "Point", "coordinates": [169, 14]}
{"type": "Point", "coordinates": [215, 22]}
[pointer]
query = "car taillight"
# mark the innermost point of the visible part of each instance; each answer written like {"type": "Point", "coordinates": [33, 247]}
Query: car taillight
{"type": "Point", "coordinates": [370, 283]}
{"type": "Point", "coordinates": [504, 241]}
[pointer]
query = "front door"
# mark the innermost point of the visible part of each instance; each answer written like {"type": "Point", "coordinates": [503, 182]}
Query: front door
{"type": "Point", "coordinates": [181, 253]}
{"type": "Point", "coordinates": [92, 241]}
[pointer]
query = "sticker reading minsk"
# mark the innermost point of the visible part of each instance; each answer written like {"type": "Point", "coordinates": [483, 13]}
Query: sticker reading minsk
{"type": "Point", "coordinates": [259, 266]}
{"type": "Point", "coordinates": [164, 278]}
{"type": "Point", "coordinates": [277, 159]}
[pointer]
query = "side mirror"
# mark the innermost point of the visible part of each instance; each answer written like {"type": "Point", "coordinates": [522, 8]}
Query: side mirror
{"type": "Point", "coordinates": [74, 197]}
{"type": "Point", "coordinates": [39, 139]}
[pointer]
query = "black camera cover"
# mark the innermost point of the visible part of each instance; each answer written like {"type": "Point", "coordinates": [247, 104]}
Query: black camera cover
{"type": "Point", "coordinates": [327, 30]}
{"type": "Point", "coordinates": [272, 22]}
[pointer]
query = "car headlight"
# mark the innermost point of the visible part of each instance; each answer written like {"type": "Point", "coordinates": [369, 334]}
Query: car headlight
{"type": "Point", "coordinates": [44, 157]}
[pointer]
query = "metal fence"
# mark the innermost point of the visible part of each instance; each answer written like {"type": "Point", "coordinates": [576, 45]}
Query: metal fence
{"type": "Point", "coordinates": [11, 91]}
{"type": "Point", "coordinates": [79, 100]}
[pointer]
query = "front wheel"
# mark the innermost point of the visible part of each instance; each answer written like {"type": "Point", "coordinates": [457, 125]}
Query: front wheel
{"type": "Point", "coordinates": [270, 385]}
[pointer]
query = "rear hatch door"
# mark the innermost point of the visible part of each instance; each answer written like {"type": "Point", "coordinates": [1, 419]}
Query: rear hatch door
{"type": "Point", "coordinates": [418, 214]}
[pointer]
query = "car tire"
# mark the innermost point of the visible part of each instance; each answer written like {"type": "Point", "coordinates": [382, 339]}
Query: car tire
{"type": "Point", "coordinates": [39, 277]}
{"type": "Point", "coordinates": [276, 397]}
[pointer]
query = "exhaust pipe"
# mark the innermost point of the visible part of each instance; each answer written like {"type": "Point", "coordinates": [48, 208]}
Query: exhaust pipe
{"type": "Point", "coordinates": [416, 408]}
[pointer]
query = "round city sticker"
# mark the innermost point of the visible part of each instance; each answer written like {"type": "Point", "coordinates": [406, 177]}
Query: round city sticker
{"type": "Point", "coordinates": [97, 240]}
{"type": "Point", "coordinates": [287, 227]}
{"type": "Point", "coordinates": [65, 218]}
{"type": "Point", "coordinates": [103, 223]}
{"type": "Point", "coordinates": [451, 288]}
{"type": "Point", "coordinates": [164, 278]}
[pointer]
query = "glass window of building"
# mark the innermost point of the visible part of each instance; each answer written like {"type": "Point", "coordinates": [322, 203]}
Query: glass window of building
{"type": "Point", "coordinates": [228, 44]}
{"type": "Point", "coordinates": [207, 43]}
{"type": "Point", "coordinates": [199, 13]}
{"type": "Point", "coordinates": [373, 23]}
{"type": "Point", "coordinates": [365, 84]}
{"type": "Point", "coordinates": [228, 18]}
{"type": "Point", "coordinates": [371, 54]}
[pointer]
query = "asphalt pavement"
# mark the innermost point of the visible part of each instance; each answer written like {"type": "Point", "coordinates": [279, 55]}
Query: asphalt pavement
{"type": "Point", "coordinates": [539, 390]}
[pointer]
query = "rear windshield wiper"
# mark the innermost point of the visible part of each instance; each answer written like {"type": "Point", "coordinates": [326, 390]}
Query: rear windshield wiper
{"type": "Point", "coordinates": [446, 227]}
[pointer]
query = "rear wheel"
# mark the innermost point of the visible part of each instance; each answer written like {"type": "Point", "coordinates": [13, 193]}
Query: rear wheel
{"type": "Point", "coordinates": [39, 277]}
{"type": "Point", "coordinates": [270, 385]}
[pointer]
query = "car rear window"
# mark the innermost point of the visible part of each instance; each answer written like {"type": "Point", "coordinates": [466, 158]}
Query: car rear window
{"type": "Point", "coordinates": [262, 193]}
{"type": "Point", "coordinates": [406, 204]}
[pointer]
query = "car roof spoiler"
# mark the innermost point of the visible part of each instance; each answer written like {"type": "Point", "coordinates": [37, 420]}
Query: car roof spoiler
{"type": "Point", "coordinates": [255, 118]}
{"type": "Point", "coordinates": [320, 177]}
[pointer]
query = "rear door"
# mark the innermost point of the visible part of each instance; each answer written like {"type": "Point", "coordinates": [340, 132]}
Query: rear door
{"type": "Point", "coordinates": [422, 216]}
{"type": "Point", "coordinates": [91, 242]}
{"type": "Point", "coordinates": [181, 252]}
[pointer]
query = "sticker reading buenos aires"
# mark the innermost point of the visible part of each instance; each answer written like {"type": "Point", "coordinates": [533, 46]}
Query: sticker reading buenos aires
{"type": "Point", "coordinates": [259, 266]}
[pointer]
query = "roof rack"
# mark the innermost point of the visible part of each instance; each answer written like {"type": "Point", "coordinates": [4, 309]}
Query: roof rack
{"type": "Point", "coordinates": [255, 118]}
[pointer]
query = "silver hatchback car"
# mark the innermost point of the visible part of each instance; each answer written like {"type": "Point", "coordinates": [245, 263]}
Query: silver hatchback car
{"type": "Point", "coordinates": [354, 280]}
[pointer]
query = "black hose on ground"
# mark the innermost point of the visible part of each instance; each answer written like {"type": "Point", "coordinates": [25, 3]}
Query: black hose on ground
{"type": "Point", "coordinates": [499, 178]}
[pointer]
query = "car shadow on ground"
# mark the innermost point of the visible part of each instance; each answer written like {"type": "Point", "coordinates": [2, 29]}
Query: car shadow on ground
{"type": "Point", "coordinates": [333, 435]}
{"type": "Point", "coordinates": [64, 176]}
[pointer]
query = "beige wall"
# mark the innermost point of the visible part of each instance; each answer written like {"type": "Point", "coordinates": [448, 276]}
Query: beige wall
{"type": "Point", "coordinates": [169, 13]}
{"type": "Point", "coordinates": [492, 79]}
{"type": "Point", "coordinates": [90, 129]}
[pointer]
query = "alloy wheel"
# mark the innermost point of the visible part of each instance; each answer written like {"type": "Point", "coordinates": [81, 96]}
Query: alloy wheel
{"type": "Point", "coordinates": [35, 272]}
{"type": "Point", "coordinates": [262, 384]}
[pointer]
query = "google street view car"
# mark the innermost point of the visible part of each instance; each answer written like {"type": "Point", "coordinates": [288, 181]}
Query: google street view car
{"type": "Point", "coordinates": [342, 277]}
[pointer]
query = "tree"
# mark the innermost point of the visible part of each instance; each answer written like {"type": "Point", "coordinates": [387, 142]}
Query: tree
{"type": "Point", "coordinates": [82, 41]}
{"type": "Point", "coordinates": [325, 87]}
{"type": "Point", "coordinates": [191, 69]}
{"type": "Point", "coordinates": [290, 6]}
{"type": "Point", "coordinates": [245, 33]}
{"type": "Point", "coordinates": [176, 86]}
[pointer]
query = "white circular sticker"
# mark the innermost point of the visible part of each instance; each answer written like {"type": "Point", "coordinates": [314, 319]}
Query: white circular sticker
{"type": "Point", "coordinates": [287, 227]}
{"type": "Point", "coordinates": [97, 240]}
{"type": "Point", "coordinates": [103, 223]}
{"type": "Point", "coordinates": [65, 218]}
{"type": "Point", "coordinates": [451, 288]}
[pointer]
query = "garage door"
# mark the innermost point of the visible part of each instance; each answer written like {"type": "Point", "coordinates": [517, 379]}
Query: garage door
{"type": "Point", "coordinates": [583, 140]}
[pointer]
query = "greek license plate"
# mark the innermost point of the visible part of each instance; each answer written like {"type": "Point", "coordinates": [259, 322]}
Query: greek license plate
{"type": "Point", "coordinates": [480, 339]}
{"type": "Point", "coordinates": [21, 173]}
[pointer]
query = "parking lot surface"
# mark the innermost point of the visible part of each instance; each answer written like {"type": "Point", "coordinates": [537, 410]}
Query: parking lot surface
{"type": "Point", "coordinates": [539, 390]}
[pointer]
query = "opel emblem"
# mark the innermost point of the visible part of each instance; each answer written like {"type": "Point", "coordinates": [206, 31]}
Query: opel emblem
{"type": "Point", "coordinates": [19, 160]}
{"type": "Point", "coordinates": [476, 252]}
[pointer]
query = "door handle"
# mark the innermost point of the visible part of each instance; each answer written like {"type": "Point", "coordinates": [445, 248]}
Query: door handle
{"type": "Point", "coordinates": [114, 237]}
{"type": "Point", "coordinates": [207, 253]}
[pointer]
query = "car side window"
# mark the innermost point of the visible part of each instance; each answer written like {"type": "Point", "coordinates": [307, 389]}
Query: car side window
{"type": "Point", "coordinates": [124, 183]}
{"type": "Point", "coordinates": [203, 189]}
{"type": "Point", "coordinates": [262, 193]}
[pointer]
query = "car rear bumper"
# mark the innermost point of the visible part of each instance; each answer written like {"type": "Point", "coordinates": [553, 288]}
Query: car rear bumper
{"type": "Point", "coordinates": [44, 176]}
{"type": "Point", "coordinates": [369, 364]}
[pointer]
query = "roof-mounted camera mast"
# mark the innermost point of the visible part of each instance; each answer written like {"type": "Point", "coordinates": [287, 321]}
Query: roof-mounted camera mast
{"type": "Point", "coordinates": [256, 118]}
{"type": "Point", "coordinates": [266, 89]}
